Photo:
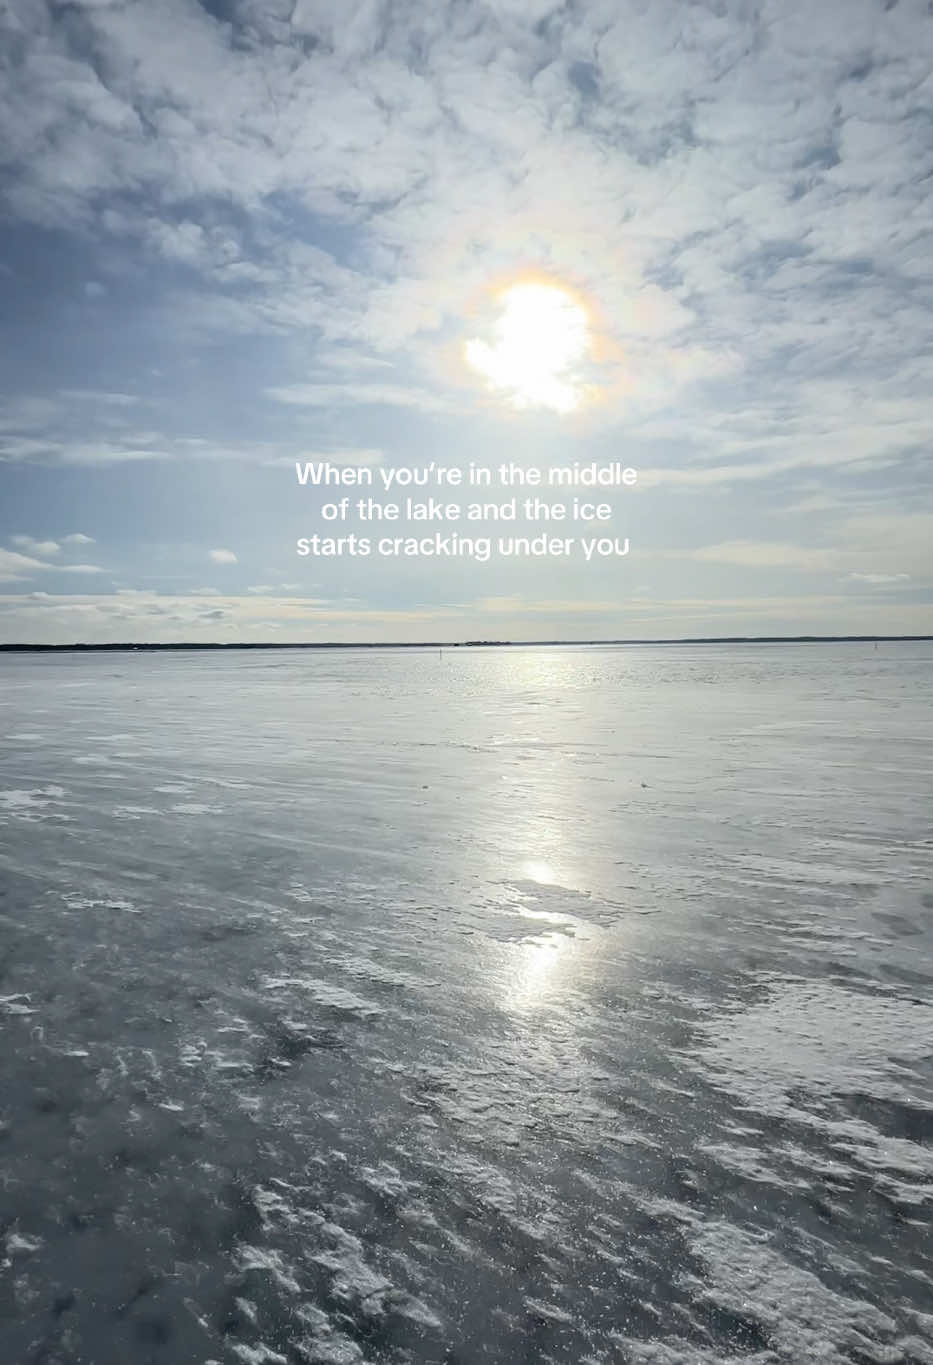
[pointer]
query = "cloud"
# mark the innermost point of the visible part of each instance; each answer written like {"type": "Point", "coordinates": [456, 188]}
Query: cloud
{"type": "Point", "coordinates": [684, 170]}
{"type": "Point", "coordinates": [877, 578]}
{"type": "Point", "coordinates": [14, 566]}
{"type": "Point", "coordinates": [101, 396]}
{"type": "Point", "coordinates": [883, 543]}
{"type": "Point", "coordinates": [36, 547]}
{"type": "Point", "coordinates": [53, 430]}
{"type": "Point", "coordinates": [711, 183]}
{"type": "Point", "coordinates": [365, 456]}
{"type": "Point", "coordinates": [77, 538]}
{"type": "Point", "coordinates": [517, 605]}
{"type": "Point", "coordinates": [52, 449]}
{"type": "Point", "coordinates": [102, 453]}
{"type": "Point", "coordinates": [261, 589]}
{"type": "Point", "coordinates": [768, 554]}
{"type": "Point", "coordinates": [222, 556]}
{"type": "Point", "coordinates": [359, 394]}
{"type": "Point", "coordinates": [345, 358]}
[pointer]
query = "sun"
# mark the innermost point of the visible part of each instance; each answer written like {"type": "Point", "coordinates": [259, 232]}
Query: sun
{"type": "Point", "coordinates": [540, 341]}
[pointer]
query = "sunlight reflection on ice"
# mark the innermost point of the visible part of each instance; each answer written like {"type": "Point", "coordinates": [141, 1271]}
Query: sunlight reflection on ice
{"type": "Point", "coordinates": [539, 970]}
{"type": "Point", "coordinates": [538, 871]}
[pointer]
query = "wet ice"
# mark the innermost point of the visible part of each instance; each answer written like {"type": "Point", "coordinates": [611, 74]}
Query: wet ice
{"type": "Point", "coordinates": [564, 1005]}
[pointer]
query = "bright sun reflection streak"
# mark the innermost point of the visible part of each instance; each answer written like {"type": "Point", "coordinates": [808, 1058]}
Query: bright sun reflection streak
{"type": "Point", "coordinates": [538, 972]}
{"type": "Point", "coordinates": [538, 871]}
{"type": "Point", "coordinates": [541, 338]}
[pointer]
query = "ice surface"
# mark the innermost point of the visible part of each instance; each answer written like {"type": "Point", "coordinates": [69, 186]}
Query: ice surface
{"type": "Point", "coordinates": [571, 1006]}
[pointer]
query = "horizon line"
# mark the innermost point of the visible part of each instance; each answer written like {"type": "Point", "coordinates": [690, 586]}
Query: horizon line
{"type": "Point", "coordinates": [151, 645]}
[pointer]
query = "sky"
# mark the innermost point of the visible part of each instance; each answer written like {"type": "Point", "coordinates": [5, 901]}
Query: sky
{"type": "Point", "coordinates": [240, 234]}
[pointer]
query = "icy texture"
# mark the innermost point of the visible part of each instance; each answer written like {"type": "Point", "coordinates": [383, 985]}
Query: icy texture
{"type": "Point", "coordinates": [565, 1006]}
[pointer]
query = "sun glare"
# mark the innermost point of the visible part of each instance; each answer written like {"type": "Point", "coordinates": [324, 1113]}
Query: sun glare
{"type": "Point", "coordinates": [540, 341]}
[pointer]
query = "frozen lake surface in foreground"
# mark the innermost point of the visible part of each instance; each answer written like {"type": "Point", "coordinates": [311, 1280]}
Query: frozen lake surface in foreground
{"type": "Point", "coordinates": [532, 1005]}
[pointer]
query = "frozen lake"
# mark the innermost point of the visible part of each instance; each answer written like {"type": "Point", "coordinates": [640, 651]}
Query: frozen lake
{"type": "Point", "coordinates": [526, 1005]}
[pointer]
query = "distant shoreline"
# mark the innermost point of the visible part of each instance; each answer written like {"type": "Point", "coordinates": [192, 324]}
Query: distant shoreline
{"type": "Point", "coordinates": [153, 646]}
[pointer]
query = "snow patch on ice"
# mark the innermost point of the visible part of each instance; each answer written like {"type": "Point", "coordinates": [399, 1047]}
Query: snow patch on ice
{"type": "Point", "coordinates": [16, 1004]}
{"type": "Point", "coordinates": [818, 1037]}
{"type": "Point", "coordinates": [33, 803]}
{"type": "Point", "coordinates": [324, 993]}
{"type": "Point", "coordinates": [803, 1318]}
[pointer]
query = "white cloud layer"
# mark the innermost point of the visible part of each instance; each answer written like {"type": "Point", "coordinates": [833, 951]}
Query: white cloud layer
{"type": "Point", "coordinates": [280, 227]}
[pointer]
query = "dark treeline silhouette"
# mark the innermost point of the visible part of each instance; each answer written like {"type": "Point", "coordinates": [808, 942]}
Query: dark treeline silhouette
{"type": "Point", "coordinates": [152, 645]}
